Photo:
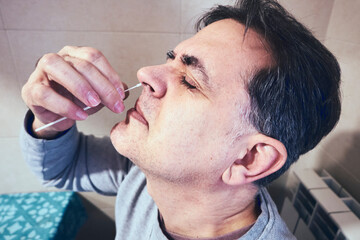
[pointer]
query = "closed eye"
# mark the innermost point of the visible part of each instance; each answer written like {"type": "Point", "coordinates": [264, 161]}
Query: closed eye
{"type": "Point", "coordinates": [187, 84]}
{"type": "Point", "coordinates": [171, 55]}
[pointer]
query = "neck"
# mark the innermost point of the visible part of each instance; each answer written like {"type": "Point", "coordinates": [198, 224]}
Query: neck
{"type": "Point", "coordinates": [203, 212]}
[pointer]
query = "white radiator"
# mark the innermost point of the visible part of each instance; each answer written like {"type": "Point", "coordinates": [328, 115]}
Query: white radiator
{"type": "Point", "coordinates": [320, 208]}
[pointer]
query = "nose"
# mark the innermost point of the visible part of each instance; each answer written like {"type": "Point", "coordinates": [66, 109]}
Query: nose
{"type": "Point", "coordinates": [153, 78]}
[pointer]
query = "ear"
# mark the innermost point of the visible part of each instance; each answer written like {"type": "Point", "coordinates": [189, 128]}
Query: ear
{"type": "Point", "coordinates": [263, 156]}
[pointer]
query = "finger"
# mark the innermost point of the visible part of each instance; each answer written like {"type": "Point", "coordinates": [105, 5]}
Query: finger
{"type": "Point", "coordinates": [46, 132]}
{"type": "Point", "coordinates": [108, 94]}
{"type": "Point", "coordinates": [45, 116]}
{"type": "Point", "coordinates": [57, 69]}
{"type": "Point", "coordinates": [95, 57]}
{"type": "Point", "coordinates": [46, 98]}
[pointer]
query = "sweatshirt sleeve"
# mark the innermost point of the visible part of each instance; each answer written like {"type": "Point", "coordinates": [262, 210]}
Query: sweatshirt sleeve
{"type": "Point", "coordinates": [74, 161]}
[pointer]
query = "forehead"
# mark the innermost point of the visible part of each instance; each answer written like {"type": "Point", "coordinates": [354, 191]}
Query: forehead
{"type": "Point", "coordinates": [225, 52]}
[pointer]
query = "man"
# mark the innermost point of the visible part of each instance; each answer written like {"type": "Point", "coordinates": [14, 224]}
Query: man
{"type": "Point", "coordinates": [228, 112]}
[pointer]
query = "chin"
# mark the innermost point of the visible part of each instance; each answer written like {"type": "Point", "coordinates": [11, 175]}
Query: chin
{"type": "Point", "coordinates": [117, 136]}
{"type": "Point", "coordinates": [118, 127]}
{"type": "Point", "coordinates": [125, 140]}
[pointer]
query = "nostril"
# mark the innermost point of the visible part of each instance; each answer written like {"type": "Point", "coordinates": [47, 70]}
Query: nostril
{"type": "Point", "coordinates": [150, 87]}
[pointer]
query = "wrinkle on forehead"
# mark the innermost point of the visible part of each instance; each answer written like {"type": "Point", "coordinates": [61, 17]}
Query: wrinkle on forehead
{"type": "Point", "coordinates": [250, 50]}
{"type": "Point", "coordinates": [227, 53]}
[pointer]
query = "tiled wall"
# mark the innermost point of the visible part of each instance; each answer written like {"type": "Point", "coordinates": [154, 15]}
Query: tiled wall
{"type": "Point", "coordinates": [339, 153]}
{"type": "Point", "coordinates": [132, 34]}
{"type": "Point", "coordinates": [314, 14]}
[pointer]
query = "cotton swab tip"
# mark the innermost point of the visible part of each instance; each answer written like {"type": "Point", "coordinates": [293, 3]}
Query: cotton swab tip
{"type": "Point", "coordinates": [136, 86]}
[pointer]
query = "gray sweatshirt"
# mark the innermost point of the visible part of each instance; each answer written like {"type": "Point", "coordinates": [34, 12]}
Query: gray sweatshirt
{"type": "Point", "coordinates": [79, 162]}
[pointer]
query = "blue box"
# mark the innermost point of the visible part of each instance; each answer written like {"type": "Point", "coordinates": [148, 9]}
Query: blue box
{"type": "Point", "coordinates": [45, 215]}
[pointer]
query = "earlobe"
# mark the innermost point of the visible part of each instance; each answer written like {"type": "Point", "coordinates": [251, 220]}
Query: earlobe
{"type": "Point", "coordinates": [263, 157]}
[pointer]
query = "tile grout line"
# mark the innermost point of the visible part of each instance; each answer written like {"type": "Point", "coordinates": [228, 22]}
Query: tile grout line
{"type": "Point", "coordinates": [11, 51]}
{"type": "Point", "coordinates": [342, 41]}
{"type": "Point", "coordinates": [94, 31]}
{"type": "Point", "coordinates": [14, 62]}
{"type": "Point", "coordinates": [181, 35]}
{"type": "Point", "coordinates": [7, 137]}
{"type": "Point", "coordinates": [181, 18]}
{"type": "Point", "coordinates": [329, 20]}
{"type": "Point", "coordinates": [2, 19]}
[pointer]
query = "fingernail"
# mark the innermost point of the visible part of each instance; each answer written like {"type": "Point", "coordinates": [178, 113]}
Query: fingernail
{"type": "Point", "coordinates": [121, 92]}
{"type": "Point", "coordinates": [81, 115]}
{"type": "Point", "coordinates": [119, 107]}
{"type": "Point", "coordinates": [93, 99]}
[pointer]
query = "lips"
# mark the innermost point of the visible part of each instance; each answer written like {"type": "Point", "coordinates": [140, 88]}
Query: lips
{"type": "Point", "coordinates": [137, 113]}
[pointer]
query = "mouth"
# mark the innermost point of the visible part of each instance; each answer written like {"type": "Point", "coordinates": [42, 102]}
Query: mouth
{"type": "Point", "coordinates": [137, 114]}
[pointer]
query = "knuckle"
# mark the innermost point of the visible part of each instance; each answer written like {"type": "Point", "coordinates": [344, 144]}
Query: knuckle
{"type": "Point", "coordinates": [32, 86]}
{"type": "Point", "coordinates": [48, 59]}
{"type": "Point", "coordinates": [40, 94]}
{"type": "Point", "coordinates": [66, 48]}
{"type": "Point", "coordinates": [84, 66]}
{"type": "Point", "coordinates": [24, 93]}
{"type": "Point", "coordinates": [92, 54]}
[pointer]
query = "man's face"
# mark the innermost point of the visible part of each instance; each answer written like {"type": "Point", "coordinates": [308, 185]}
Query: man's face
{"type": "Point", "coordinates": [187, 122]}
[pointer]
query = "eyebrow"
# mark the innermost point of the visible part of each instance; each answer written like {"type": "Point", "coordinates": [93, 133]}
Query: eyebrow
{"type": "Point", "coordinates": [192, 62]}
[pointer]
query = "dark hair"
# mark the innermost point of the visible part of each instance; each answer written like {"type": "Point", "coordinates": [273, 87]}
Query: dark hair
{"type": "Point", "coordinates": [297, 99]}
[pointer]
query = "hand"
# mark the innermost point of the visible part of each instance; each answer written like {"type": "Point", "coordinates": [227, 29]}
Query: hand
{"type": "Point", "coordinates": [64, 83]}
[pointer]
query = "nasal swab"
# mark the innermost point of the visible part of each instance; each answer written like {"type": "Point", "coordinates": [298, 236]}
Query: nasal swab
{"type": "Point", "coordinates": [85, 108]}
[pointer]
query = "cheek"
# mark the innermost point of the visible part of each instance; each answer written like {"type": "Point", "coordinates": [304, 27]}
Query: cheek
{"type": "Point", "coordinates": [188, 132]}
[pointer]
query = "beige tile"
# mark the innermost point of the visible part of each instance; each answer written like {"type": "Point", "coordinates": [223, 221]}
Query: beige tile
{"type": "Point", "coordinates": [185, 36]}
{"type": "Point", "coordinates": [1, 21]}
{"type": "Point", "coordinates": [110, 212]}
{"type": "Point", "coordinates": [344, 22]}
{"type": "Point", "coordinates": [313, 14]}
{"type": "Point", "coordinates": [191, 10]}
{"type": "Point", "coordinates": [343, 148]}
{"type": "Point", "coordinates": [97, 15]}
{"type": "Point", "coordinates": [12, 111]}
{"type": "Point", "coordinates": [15, 176]}
{"type": "Point", "coordinates": [100, 201]}
{"type": "Point", "coordinates": [12, 107]}
{"type": "Point", "coordinates": [309, 160]}
{"type": "Point", "coordinates": [6, 61]}
{"type": "Point", "coordinates": [127, 52]}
